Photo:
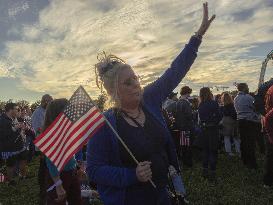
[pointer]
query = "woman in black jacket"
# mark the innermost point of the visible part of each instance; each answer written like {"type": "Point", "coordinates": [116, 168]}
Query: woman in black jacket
{"type": "Point", "coordinates": [209, 116]}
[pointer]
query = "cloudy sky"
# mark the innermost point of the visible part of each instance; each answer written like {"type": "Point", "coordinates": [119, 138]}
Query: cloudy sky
{"type": "Point", "coordinates": [50, 46]}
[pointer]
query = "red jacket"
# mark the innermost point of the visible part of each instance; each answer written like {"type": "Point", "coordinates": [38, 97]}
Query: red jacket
{"type": "Point", "coordinates": [269, 114]}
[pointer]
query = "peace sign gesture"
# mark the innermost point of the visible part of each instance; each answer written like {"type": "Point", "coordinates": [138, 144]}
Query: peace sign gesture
{"type": "Point", "coordinates": [206, 21]}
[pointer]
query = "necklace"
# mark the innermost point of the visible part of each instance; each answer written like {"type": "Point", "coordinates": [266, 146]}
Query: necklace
{"type": "Point", "coordinates": [127, 114]}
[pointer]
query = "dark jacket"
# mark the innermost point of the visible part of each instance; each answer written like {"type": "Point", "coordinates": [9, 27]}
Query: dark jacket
{"type": "Point", "coordinates": [229, 111]}
{"type": "Point", "coordinates": [183, 115]}
{"type": "Point", "coordinates": [209, 112]}
{"type": "Point", "coordinates": [10, 140]}
{"type": "Point", "coordinates": [104, 165]}
{"type": "Point", "coordinates": [210, 117]}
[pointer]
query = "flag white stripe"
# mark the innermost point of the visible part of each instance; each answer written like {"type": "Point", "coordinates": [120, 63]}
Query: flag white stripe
{"type": "Point", "coordinates": [56, 159]}
{"type": "Point", "coordinates": [57, 150]}
{"type": "Point", "coordinates": [59, 138]}
{"type": "Point", "coordinates": [78, 143]}
{"type": "Point", "coordinates": [45, 146]}
{"type": "Point", "coordinates": [50, 132]}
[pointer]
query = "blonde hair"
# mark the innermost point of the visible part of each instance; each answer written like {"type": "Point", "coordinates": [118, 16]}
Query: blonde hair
{"type": "Point", "coordinates": [226, 99]}
{"type": "Point", "coordinates": [107, 72]}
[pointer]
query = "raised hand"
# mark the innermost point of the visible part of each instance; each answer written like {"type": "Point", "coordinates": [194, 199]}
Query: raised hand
{"type": "Point", "coordinates": [206, 21]}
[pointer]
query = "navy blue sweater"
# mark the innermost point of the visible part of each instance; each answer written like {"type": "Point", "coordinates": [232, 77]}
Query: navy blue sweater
{"type": "Point", "coordinates": [104, 165]}
{"type": "Point", "coordinates": [209, 112]}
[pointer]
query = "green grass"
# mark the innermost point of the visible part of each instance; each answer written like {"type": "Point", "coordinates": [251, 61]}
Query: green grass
{"type": "Point", "coordinates": [236, 185]}
{"type": "Point", "coordinates": [25, 193]}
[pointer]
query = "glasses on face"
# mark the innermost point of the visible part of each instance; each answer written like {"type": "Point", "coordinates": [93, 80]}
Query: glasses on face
{"type": "Point", "coordinates": [132, 81]}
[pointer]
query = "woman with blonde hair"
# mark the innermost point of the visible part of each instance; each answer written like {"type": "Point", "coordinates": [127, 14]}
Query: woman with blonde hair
{"type": "Point", "coordinates": [138, 119]}
{"type": "Point", "coordinates": [229, 123]}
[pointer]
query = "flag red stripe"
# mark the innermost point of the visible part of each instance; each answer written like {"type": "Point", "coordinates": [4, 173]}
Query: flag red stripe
{"type": "Point", "coordinates": [53, 135]}
{"type": "Point", "coordinates": [53, 147]}
{"type": "Point", "coordinates": [57, 137]}
{"type": "Point", "coordinates": [41, 138]}
{"type": "Point", "coordinates": [75, 138]}
{"type": "Point", "coordinates": [60, 146]}
{"type": "Point", "coordinates": [80, 146]}
{"type": "Point", "coordinates": [73, 145]}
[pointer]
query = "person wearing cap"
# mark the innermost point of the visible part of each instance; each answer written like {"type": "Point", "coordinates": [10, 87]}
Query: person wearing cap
{"type": "Point", "coordinates": [182, 112]}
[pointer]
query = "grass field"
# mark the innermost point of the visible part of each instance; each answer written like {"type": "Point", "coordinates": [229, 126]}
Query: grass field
{"type": "Point", "coordinates": [236, 185]}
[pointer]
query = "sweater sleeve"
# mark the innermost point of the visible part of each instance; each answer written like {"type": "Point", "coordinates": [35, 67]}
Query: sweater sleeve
{"type": "Point", "coordinates": [158, 91]}
{"type": "Point", "coordinates": [99, 168]}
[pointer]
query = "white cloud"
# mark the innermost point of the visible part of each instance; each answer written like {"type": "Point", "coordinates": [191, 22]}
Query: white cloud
{"type": "Point", "coordinates": [57, 53]}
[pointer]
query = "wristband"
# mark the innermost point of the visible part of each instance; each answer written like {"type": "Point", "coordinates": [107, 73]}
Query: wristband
{"type": "Point", "coordinates": [57, 183]}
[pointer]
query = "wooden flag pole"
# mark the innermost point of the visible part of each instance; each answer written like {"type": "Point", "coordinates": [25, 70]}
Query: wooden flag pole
{"type": "Point", "coordinates": [119, 138]}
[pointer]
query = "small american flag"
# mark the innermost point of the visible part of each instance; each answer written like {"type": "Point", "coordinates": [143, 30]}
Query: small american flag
{"type": "Point", "coordinates": [2, 177]}
{"type": "Point", "coordinates": [79, 121]}
{"type": "Point", "coordinates": [184, 138]}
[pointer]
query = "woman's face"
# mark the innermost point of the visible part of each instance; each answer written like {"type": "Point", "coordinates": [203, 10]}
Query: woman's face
{"type": "Point", "coordinates": [129, 90]}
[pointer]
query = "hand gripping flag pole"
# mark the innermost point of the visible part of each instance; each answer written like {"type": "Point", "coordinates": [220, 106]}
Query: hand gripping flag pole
{"type": "Point", "coordinates": [121, 140]}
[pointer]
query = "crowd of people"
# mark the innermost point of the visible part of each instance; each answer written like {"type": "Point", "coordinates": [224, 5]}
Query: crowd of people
{"type": "Point", "coordinates": [19, 127]}
{"type": "Point", "coordinates": [161, 130]}
{"type": "Point", "coordinates": [217, 123]}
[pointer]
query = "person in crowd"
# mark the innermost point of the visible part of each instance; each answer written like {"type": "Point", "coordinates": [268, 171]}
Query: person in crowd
{"type": "Point", "coordinates": [12, 141]}
{"type": "Point", "coordinates": [195, 105]}
{"type": "Point", "coordinates": [138, 119]}
{"type": "Point", "coordinates": [268, 124]}
{"type": "Point", "coordinates": [209, 118]}
{"type": "Point", "coordinates": [182, 112]}
{"type": "Point", "coordinates": [62, 187]}
{"type": "Point", "coordinates": [25, 118]}
{"type": "Point", "coordinates": [172, 98]}
{"type": "Point", "coordinates": [196, 145]}
{"type": "Point", "coordinates": [249, 125]}
{"type": "Point", "coordinates": [217, 98]}
{"type": "Point", "coordinates": [259, 101]}
{"type": "Point", "coordinates": [229, 123]}
{"type": "Point", "coordinates": [37, 121]}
